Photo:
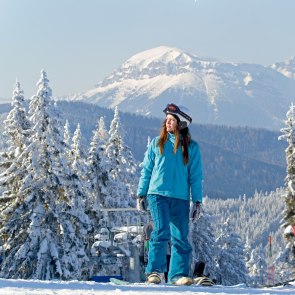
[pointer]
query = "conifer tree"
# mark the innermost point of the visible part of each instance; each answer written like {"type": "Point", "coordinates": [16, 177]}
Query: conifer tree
{"type": "Point", "coordinates": [17, 130]}
{"type": "Point", "coordinates": [122, 172]}
{"type": "Point", "coordinates": [248, 249]}
{"type": "Point", "coordinates": [45, 232]}
{"type": "Point", "coordinates": [282, 266]}
{"type": "Point", "coordinates": [67, 141]}
{"type": "Point", "coordinates": [202, 233]}
{"type": "Point", "coordinates": [122, 166]}
{"type": "Point", "coordinates": [231, 258]}
{"type": "Point", "coordinates": [67, 133]}
{"type": "Point", "coordinates": [78, 170]}
{"type": "Point", "coordinates": [77, 155]}
{"type": "Point", "coordinates": [97, 167]}
{"type": "Point", "coordinates": [257, 267]}
{"type": "Point", "coordinates": [289, 213]}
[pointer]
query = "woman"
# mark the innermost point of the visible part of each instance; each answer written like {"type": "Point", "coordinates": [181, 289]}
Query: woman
{"type": "Point", "coordinates": [171, 174]}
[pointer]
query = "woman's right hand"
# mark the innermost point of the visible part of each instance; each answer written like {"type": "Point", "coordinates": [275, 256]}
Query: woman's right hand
{"type": "Point", "coordinates": [195, 211]}
{"type": "Point", "coordinates": [141, 203]}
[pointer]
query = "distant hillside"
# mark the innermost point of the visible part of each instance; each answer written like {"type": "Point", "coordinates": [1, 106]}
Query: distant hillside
{"type": "Point", "coordinates": [259, 144]}
{"type": "Point", "coordinates": [236, 160]}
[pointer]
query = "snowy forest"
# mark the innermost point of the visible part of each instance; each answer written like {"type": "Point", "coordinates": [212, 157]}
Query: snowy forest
{"type": "Point", "coordinates": [67, 205]}
{"type": "Point", "coordinates": [236, 160]}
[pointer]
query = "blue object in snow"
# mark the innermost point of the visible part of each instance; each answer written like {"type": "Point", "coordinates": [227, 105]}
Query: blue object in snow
{"type": "Point", "coordinates": [105, 279]}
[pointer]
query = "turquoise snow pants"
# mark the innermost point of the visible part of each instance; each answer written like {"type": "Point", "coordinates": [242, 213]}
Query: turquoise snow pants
{"type": "Point", "coordinates": [171, 221]}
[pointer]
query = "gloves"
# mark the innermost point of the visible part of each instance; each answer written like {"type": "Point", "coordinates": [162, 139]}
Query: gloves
{"type": "Point", "coordinates": [195, 211]}
{"type": "Point", "coordinates": [141, 203]}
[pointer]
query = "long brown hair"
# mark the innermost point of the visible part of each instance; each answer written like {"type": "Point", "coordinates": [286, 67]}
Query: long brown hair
{"type": "Point", "coordinates": [184, 141]}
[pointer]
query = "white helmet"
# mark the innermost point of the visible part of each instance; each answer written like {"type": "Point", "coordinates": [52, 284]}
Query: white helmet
{"type": "Point", "coordinates": [181, 112]}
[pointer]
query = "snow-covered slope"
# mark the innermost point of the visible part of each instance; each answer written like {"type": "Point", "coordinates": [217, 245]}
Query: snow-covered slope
{"type": "Point", "coordinates": [29, 287]}
{"type": "Point", "coordinates": [216, 92]}
{"type": "Point", "coordinates": [287, 68]}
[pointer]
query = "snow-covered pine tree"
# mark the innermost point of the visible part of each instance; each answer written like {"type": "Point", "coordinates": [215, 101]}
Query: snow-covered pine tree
{"type": "Point", "coordinates": [123, 167]}
{"type": "Point", "coordinates": [77, 156]}
{"type": "Point", "coordinates": [203, 243]}
{"type": "Point", "coordinates": [251, 218]}
{"type": "Point", "coordinates": [45, 233]}
{"type": "Point", "coordinates": [231, 258]}
{"type": "Point", "coordinates": [257, 267]}
{"type": "Point", "coordinates": [283, 272]}
{"type": "Point", "coordinates": [79, 188]}
{"type": "Point", "coordinates": [67, 133]}
{"type": "Point", "coordinates": [131, 169]}
{"type": "Point", "coordinates": [248, 248]}
{"type": "Point", "coordinates": [16, 130]}
{"type": "Point", "coordinates": [102, 131]}
{"type": "Point", "coordinates": [121, 170]}
{"type": "Point", "coordinates": [67, 141]}
{"type": "Point", "coordinates": [289, 213]}
{"type": "Point", "coordinates": [98, 175]}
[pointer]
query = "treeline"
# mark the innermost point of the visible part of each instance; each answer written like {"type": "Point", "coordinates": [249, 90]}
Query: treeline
{"type": "Point", "coordinates": [53, 190]}
{"type": "Point", "coordinates": [236, 160]}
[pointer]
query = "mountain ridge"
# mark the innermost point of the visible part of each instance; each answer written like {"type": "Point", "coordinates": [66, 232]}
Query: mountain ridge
{"type": "Point", "coordinates": [287, 68]}
{"type": "Point", "coordinates": [226, 93]}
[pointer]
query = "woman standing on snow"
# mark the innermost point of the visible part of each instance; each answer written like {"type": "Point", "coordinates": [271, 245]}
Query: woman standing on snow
{"type": "Point", "coordinates": [171, 173]}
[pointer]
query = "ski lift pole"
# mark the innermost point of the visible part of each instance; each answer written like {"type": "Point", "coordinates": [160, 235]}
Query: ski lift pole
{"type": "Point", "coordinates": [273, 274]}
{"type": "Point", "coordinates": [270, 269]}
{"type": "Point", "coordinates": [270, 247]}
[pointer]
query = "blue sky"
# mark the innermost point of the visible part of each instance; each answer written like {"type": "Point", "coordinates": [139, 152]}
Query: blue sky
{"type": "Point", "coordinates": [79, 42]}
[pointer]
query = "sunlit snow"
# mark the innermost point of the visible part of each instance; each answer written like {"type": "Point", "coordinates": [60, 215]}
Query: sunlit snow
{"type": "Point", "coordinates": [34, 287]}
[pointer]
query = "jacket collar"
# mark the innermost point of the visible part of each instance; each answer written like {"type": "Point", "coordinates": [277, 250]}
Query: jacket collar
{"type": "Point", "coordinates": [171, 137]}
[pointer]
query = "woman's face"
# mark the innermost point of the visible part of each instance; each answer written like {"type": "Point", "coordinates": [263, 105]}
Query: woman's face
{"type": "Point", "coordinates": [171, 123]}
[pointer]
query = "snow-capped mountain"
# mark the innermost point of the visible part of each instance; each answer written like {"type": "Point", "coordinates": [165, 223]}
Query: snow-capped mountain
{"type": "Point", "coordinates": [287, 67]}
{"type": "Point", "coordinates": [217, 92]}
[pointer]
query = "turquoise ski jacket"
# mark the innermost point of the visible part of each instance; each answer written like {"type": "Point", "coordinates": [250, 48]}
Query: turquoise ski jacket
{"type": "Point", "coordinates": [166, 174]}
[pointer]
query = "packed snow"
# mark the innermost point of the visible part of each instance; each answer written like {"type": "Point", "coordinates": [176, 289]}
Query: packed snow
{"type": "Point", "coordinates": [35, 287]}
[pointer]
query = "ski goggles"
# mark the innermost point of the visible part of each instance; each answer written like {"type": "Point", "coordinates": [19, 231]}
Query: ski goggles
{"type": "Point", "coordinates": [174, 109]}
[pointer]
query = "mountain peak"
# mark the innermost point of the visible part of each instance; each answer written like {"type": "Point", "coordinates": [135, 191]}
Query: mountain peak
{"type": "Point", "coordinates": [162, 60]}
{"type": "Point", "coordinates": [215, 92]}
{"type": "Point", "coordinates": [163, 54]}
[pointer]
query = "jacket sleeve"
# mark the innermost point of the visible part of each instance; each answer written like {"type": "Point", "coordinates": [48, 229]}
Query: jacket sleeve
{"type": "Point", "coordinates": [196, 174]}
{"type": "Point", "coordinates": [146, 171]}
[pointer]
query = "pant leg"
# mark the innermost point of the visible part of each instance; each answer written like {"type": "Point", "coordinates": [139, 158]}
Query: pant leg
{"type": "Point", "coordinates": [159, 208]}
{"type": "Point", "coordinates": [180, 247]}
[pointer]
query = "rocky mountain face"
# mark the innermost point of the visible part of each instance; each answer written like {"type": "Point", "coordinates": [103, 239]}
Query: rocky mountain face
{"type": "Point", "coordinates": [234, 94]}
